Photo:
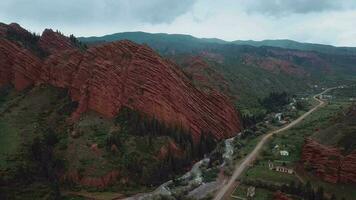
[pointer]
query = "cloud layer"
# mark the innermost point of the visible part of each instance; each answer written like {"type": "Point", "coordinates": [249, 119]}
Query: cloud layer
{"type": "Point", "coordinates": [277, 7]}
{"type": "Point", "coordinates": [89, 11]}
{"type": "Point", "coordinates": [319, 21]}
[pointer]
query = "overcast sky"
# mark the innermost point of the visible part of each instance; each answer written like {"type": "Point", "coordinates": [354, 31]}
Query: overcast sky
{"type": "Point", "coordinates": [320, 21]}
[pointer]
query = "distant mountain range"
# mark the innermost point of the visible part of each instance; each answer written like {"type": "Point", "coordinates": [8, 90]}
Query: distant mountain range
{"type": "Point", "coordinates": [248, 70]}
{"type": "Point", "coordinates": [193, 42]}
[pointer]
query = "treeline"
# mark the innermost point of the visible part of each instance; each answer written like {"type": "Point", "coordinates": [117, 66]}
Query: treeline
{"type": "Point", "coordinates": [77, 43]}
{"type": "Point", "coordinates": [135, 122]}
{"type": "Point", "coordinates": [139, 124]}
{"type": "Point", "coordinates": [249, 120]}
{"type": "Point", "coordinates": [4, 91]}
{"type": "Point", "coordinates": [42, 151]}
{"type": "Point", "coordinates": [274, 101]}
{"type": "Point", "coordinates": [28, 40]}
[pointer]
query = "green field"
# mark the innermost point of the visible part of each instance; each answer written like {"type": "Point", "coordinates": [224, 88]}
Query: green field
{"type": "Point", "coordinates": [292, 140]}
{"type": "Point", "coordinates": [260, 194]}
{"type": "Point", "coordinates": [261, 171]}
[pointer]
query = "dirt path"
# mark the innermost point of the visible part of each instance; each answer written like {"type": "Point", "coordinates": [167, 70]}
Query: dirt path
{"type": "Point", "coordinates": [226, 190]}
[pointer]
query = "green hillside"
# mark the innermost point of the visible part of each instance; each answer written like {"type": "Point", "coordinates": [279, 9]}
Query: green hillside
{"type": "Point", "coordinates": [250, 69]}
{"type": "Point", "coordinates": [150, 38]}
{"type": "Point", "coordinates": [290, 44]}
{"type": "Point", "coordinates": [42, 150]}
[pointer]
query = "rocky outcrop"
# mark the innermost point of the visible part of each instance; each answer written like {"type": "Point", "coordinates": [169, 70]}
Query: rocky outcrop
{"type": "Point", "coordinates": [280, 196]}
{"type": "Point", "coordinates": [18, 65]}
{"type": "Point", "coordinates": [329, 163]}
{"type": "Point", "coordinates": [54, 42]}
{"type": "Point", "coordinates": [275, 65]}
{"type": "Point", "coordinates": [107, 77]}
{"type": "Point", "coordinates": [98, 182]}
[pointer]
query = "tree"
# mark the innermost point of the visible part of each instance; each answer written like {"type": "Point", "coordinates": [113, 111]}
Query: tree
{"type": "Point", "coordinates": [275, 101]}
{"type": "Point", "coordinates": [319, 194]}
{"type": "Point", "coordinates": [333, 197]}
{"type": "Point", "coordinates": [308, 190]}
{"type": "Point", "coordinates": [292, 188]}
{"type": "Point", "coordinates": [42, 152]}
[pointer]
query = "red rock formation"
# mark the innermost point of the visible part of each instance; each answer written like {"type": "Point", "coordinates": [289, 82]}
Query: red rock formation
{"type": "Point", "coordinates": [53, 42]}
{"type": "Point", "coordinates": [18, 65]}
{"type": "Point", "coordinates": [280, 196]}
{"type": "Point", "coordinates": [99, 182]}
{"type": "Point", "coordinates": [171, 147]}
{"type": "Point", "coordinates": [312, 58]}
{"type": "Point", "coordinates": [107, 77]}
{"type": "Point", "coordinates": [202, 73]}
{"type": "Point", "coordinates": [275, 65]}
{"type": "Point", "coordinates": [329, 163]}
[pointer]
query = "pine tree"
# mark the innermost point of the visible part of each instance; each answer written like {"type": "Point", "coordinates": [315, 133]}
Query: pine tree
{"type": "Point", "coordinates": [320, 194]}
{"type": "Point", "coordinates": [333, 197]}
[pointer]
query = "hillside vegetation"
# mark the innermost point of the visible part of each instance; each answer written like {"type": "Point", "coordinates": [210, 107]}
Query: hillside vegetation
{"type": "Point", "coordinates": [248, 71]}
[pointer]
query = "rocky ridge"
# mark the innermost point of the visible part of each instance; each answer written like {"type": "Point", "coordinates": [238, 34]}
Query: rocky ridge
{"type": "Point", "coordinates": [329, 163]}
{"type": "Point", "coordinates": [107, 77]}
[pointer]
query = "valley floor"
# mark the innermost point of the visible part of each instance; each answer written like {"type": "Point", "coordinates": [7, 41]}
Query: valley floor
{"type": "Point", "coordinates": [254, 170]}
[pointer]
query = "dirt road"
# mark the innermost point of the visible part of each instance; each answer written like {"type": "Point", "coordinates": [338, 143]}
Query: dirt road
{"type": "Point", "coordinates": [224, 192]}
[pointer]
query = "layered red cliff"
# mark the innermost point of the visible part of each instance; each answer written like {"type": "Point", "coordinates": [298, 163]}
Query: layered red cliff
{"type": "Point", "coordinates": [107, 77]}
{"type": "Point", "coordinates": [280, 196]}
{"type": "Point", "coordinates": [329, 163]}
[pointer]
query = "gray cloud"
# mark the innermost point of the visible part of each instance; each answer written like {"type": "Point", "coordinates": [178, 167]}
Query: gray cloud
{"type": "Point", "coordinates": [278, 7]}
{"type": "Point", "coordinates": [94, 11]}
{"type": "Point", "coordinates": [318, 21]}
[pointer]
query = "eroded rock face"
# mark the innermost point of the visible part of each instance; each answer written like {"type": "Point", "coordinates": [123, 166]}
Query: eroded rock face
{"type": "Point", "coordinates": [107, 77]}
{"type": "Point", "coordinates": [18, 65]}
{"type": "Point", "coordinates": [54, 42]}
{"type": "Point", "coordinates": [275, 65]}
{"type": "Point", "coordinates": [329, 163]}
{"type": "Point", "coordinates": [98, 182]}
{"type": "Point", "coordinates": [280, 196]}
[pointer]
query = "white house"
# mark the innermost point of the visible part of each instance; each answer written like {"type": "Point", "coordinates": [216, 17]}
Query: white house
{"type": "Point", "coordinates": [279, 168]}
{"type": "Point", "coordinates": [278, 116]}
{"type": "Point", "coordinates": [251, 191]}
{"type": "Point", "coordinates": [284, 153]}
{"type": "Point", "coordinates": [284, 170]}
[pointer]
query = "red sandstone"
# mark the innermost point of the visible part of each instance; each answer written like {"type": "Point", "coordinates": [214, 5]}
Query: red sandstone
{"type": "Point", "coordinates": [329, 163]}
{"type": "Point", "coordinates": [280, 196]}
{"type": "Point", "coordinates": [107, 77]}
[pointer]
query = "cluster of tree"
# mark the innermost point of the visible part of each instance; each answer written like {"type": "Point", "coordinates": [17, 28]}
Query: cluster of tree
{"type": "Point", "coordinates": [274, 101]}
{"type": "Point", "coordinates": [301, 105]}
{"type": "Point", "coordinates": [48, 165]}
{"type": "Point", "coordinates": [4, 91]}
{"type": "Point", "coordinates": [305, 191]}
{"type": "Point", "coordinates": [77, 43]}
{"type": "Point", "coordinates": [36, 163]}
{"type": "Point", "coordinates": [28, 40]}
{"type": "Point", "coordinates": [139, 124]}
{"type": "Point", "coordinates": [249, 120]}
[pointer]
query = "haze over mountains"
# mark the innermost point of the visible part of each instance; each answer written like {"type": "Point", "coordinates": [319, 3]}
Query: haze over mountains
{"type": "Point", "coordinates": [150, 38]}
{"type": "Point", "coordinates": [275, 65]}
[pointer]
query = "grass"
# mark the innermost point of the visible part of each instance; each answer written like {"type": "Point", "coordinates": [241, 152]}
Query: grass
{"type": "Point", "coordinates": [293, 140]}
{"type": "Point", "coordinates": [20, 115]}
{"type": "Point", "coordinates": [261, 171]}
{"type": "Point", "coordinates": [94, 130]}
{"type": "Point", "coordinates": [9, 143]}
{"type": "Point", "coordinates": [260, 194]}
